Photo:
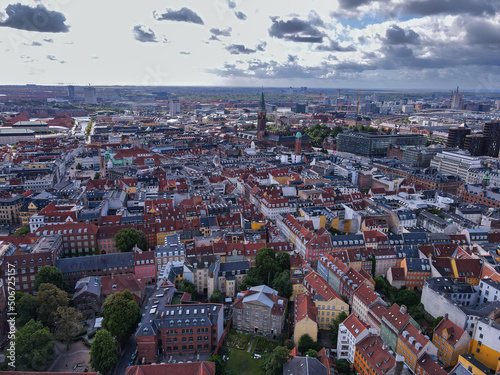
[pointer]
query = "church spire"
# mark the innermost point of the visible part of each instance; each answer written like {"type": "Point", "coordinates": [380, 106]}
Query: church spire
{"type": "Point", "coordinates": [262, 106]}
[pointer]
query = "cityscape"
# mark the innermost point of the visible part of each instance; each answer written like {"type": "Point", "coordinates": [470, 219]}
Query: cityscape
{"type": "Point", "coordinates": [226, 188]}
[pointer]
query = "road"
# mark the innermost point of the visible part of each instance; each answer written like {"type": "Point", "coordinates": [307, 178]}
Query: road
{"type": "Point", "coordinates": [125, 354]}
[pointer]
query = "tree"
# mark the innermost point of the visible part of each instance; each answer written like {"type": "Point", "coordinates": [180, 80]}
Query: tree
{"type": "Point", "coordinates": [68, 324]}
{"type": "Point", "coordinates": [334, 327]}
{"type": "Point", "coordinates": [219, 364]}
{"type": "Point", "coordinates": [265, 261]}
{"type": "Point", "coordinates": [281, 338]}
{"type": "Point", "coordinates": [216, 297]}
{"type": "Point", "coordinates": [252, 278]}
{"type": "Point", "coordinates": [306, 342]}
{"type": "Point", "coordinates": [121, 314]}
{"type": "Point", "coordinates": [272, 363]}
{"type": "Point", "coordinates": [282, 284]}
{"type": "Point", "coordinates": [97, 176]}
{"type": "Point", "coordinates": [283, 260]}
{"type": "Point", "coordinates": [288, 344]}
{"type": "Point", "coordinates": [436, 322]}
{"type": "Point", "coordinates": [34, 346]}
{"type": "Point", "coordinates": [22, 231]}
{"type": "Point", "coordinates": [187, 286]}
{"type": "Point", "coordinates": [26, 309]}
{"type": "Point", "coordinates": [343, 366]}
{"type": "Point", "coordinates": [49, 298]}
{"type": "Point", "coordinates": [50, 275]}
{"type": "Point", "coordinates": [103, 352]}
{"type": "Point", "coordinates": [408, 298]}
{"type": "Point", "coordinates": [311, 353]}
{"type": "Point", "coordinates": [127, 238]}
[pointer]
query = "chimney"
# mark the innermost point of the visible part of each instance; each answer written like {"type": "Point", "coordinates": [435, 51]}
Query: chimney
{"type": "Point", "coordinates": [398, 369]}
{"type": "Point", "coordinates": [446, 316]}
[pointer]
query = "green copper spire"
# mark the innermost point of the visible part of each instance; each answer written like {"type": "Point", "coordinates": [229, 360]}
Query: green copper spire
{"type": "Point", "coordinates": [262, 106]}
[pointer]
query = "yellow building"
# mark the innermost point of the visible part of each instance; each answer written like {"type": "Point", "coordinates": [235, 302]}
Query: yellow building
{"type": "Point", "coordinates": [451, 341]}
{"type": "Point", "coordinates": [473, 365]}
{"type": "Point", "coordinates": [485, 343]}
{"type": "Point", "coordinates": [305, 318]}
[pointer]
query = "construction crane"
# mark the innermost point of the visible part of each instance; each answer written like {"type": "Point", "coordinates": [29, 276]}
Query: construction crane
{"type": "Point", "coordinates": [339, 105]}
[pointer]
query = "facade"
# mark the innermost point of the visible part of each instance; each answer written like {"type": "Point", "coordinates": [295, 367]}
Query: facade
{"type": "Point", "coordinates": [173, 251]}
{"type": "Point", "coordinates": [351, 332]}
{"type": "Point", "coordinates": [305, 316]}
{"type": "Point", "coordinates": [455, 163]}
{"type": "Point", "coordinates": [412, 345]}
{"type": "Point", "coordinates": [451, 341]}
{"type": "Point", "coordinates": [394, 321]}
{"type": "Point", "coordinates": [226, 277]}
{"type": "Point", "coordinates": [174, 329]}
{"type": "Point", "coordinates": [9, 136]}
{"type": "Point", "coordinates": [485, 343]}
{"type": "Point", "coordinates": [78, 238]}
{"type": "Point", "coordinates": [370, 145]}
{"type": "Point", "coordinates": [364, 298]}
{"type": "Point", "coordinates": [259, 310]}
{"type": "Point", "coordinates": [456, 136]}
{"type": "Point", "coordinates": [372, 357]}
{"type": "Point", "coordinates": [145, 266]}
{"type": "Point", "coordinates": [492, 138]}
{"type": "Point", "coordinates": [10, 208]}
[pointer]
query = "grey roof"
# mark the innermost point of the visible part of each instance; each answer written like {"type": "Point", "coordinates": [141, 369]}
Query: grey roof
{"type": "Point", "coordinates": [235, 266]}
{"type": "Point", "coordinates": [263, 289]}
{"type": "Point", "coordinates": [95, 262]}
{"type": "Point", "coordinates": [90, 284]}
{"type": "Point", "coordinates": [304, 366]}
{"type": "Point", "coordinates": [460, 370]}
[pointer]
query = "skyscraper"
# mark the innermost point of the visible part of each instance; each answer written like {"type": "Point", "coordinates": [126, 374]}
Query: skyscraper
{"type": "Point", "coordinates": [175, 107]}
{"type": "Point", "coordinates": [456, 136]}
{"type": "Point", "coordinates": [492, 138]}
{"type": "Point", "coordinates": [71, 92]}
{"type": "Point", "coordinates": [90, 95]}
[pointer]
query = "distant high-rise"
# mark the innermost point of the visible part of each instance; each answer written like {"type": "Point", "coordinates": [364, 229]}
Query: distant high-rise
{"type": "Point", "coordinates": [492, 138]}
{"type": "Point", "coordinates": [175, 107]}
{"type": "Point", "coordinates": [90, 95]}
{"type": "Point", "coordinates": [474, 143]}
{"type": "Point", "coordinates": [457, 101]}
{"type": "Point", "coordinates": [71, 92]}
{"type": "Point", "coordinates": [261, 118]}
{"type": "Point", "coordinates": [456, 136]}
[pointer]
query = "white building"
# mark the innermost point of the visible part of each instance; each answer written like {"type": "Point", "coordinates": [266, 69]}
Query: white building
{"type": "Point", "coordinates": [174, 107]}
{"type": "Point", "coordinates": [455, 163]}
{"type": "Point", "coordinates": [351, 332]}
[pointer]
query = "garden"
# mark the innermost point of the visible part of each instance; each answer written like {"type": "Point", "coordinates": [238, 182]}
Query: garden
{"type": "Point", "coordinates": [264, 346]}
{"type": "Point", "coordinates": [238, 340]}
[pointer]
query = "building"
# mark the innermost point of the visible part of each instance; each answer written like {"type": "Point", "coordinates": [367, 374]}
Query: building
{"type": "Point", "coordinates": [10, 207]}
{"type": "Point", "coordinates": [10, 136]}
{"type": "Point", "coordinates": [485, 343]}
{"type": "Point", "coordinates": [365, 298]}
{"type": "Point", "coordinates": [469, 363]}
{"type": "Point", "coordinates": [305, 366]}
{"type": "Point", "coordinates": [226, 277]}
{"type": "Point", "coordinates": [173, 251]}
{"type": "Point", "coordinates": [174, 107]}
{"type": "Point", "coordinates": [451, 341]}
{"type": "Point", "coordinates": [489, 291]}
{"type": "Point", "coordinates": [394, 322]}
{"type": "Point", "coordinates": [412, 345]}
{"type": "Point", "coordinates": [456, 136]}
{"type": "Point", "coordinates": [373, 358]}
{"type": "Point", "coordinates": [374, 145]}
{"type": "Point", "coordinates": [305, 316]}
{"type": "Point", "coordinates": [351, 331]}
{"type": "Point", "coordinates": [71, 92]}
{"type": "Point", "coordinates": [194, 368]}
{"type": "Point", "coordinates": [145, 266]}
{"type": "Point", "coordinates": [260, 310]}
{"type": "Point", "coordinates": [174, 329]}
{"type": "Point", "coordinates": [455, 163]}
{"type": "Point", "coordinates": [492, 138]}
{"type": "Point", "coordinates": [90, 96]}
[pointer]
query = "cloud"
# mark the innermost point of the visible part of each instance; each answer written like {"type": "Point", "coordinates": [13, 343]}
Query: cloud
{"type": "Point", "coordinates": [51, 58]}
{"type": "Point", "coordinates": [36, 44]}
{"type": "Point", "coordinates": [221, 32]}
{"type": "Point", "coordinates": [237, 49]}
{"type": "Point", "coordinates": [261, 46]}
{"type": "Point", "coordinates": [181, 15]}
{"type": "Point", "coordinates": [483, 32]}
{"type": "Point", "coordinates": [298, 30]}
{"type": "Point", "coordinates": [184, 53]}
{"type": "Point", "coordinates": [39, 19]}
{"type": "Point", "coordinates": [48, 40]}
{"type": "Point", "coordinates": [397, 35]}
{"type": "Point", "coordinates": [451, 7]}
{"type": "Point", "coordinates": [240, 15]}
{"type": "Point", "coordinates": [335, 46]}
{"type": "Point", "coordinates": [144, 34]}
{"type": "Point", "coordinates": [231, 4]}
{"type": "Point", "coordinates": [213, 37]}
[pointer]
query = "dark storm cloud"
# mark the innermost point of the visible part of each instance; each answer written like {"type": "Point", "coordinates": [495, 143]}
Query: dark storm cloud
{"type": "Point", "coordinates": [483, 32]}
{"type": "Point", "coordinates": [334, 46]}
{"type": "Point", "coordinates": [353, 4]}
{"type": "Point", "coordinates": [144, 34]}
{"type": "Point", "coordinates": [231, 4]}
{"type": "Point", "coordinates": [397, 35]}
{"type": "Point", "coordinates": [240, 15]}
{"type": "Point", "coordinates": [181, 15]}
{"type": "Point", "coordinates": [297, 30]}
{"type": "Point", "coordinates": [453, 7]}
{"type": "Point", "coordinates": [221, 32]}
{"type": "Point", "coordinates": [238, 49]}
{"type": "Point", "coordinates": [39, 18]}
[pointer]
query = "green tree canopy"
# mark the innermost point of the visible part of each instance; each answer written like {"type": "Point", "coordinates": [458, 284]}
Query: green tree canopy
{"type": "Point", "coordinates": [219, 364]}
{"type": "Point", "coordinates": [50, 275]}
{"type": "Point", "coordinates": [282, 284]}
{"type": "Point", "coordinates": [408, 298]}
{"type": "Point", "coordinates": [334, 327]}
{"type": "Point", "coordinates": [68, 324]}
{"type": "Point", "coordinates": [103, 352]}
{"type": "Point", "coordinates": [311, 353]}
{"type": "Point", "coordinates": [26, 309]}
{"type": "Point", "coordinates": [283, 260]}
{"type": "Point", "coordinates": [187, 286]}
{"type": "Point", "coordinates": [22, 231]}
{"type": "Point", "coordinates": [265, 261]}
{"type": "Point", "coordinates": [121, 314]}
{"type": "Point", "coordinates": [216, 297]}
{"type": "Point", "coordinates": [436, 322]}
{"type": "Point", "coordinates": [252, 278]}
{"type": "Point", "coordinates": [272, 363]}
{"type": "Point", "coordinates": [127, 238]}
{"type": "Point", "coordinates": [343, 366]}
{"type": "Point", "coordinates": [34, 346]}
{"type": "Point", "coordinates": [306, 342]}
{"type": "Point", "coordinates": [49, 298]}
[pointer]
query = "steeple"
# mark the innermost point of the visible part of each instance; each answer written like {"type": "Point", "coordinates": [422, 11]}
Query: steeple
{"type": "Point", "coordinates": [262, 106]}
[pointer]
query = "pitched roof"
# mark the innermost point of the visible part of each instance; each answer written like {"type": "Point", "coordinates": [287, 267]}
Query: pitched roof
{"type": "Point", "coordinates": [305, 308]}
{"type": "Point", "coordinates": [195, 368]}
{"type": "Point", "coordinates": [304, 366]}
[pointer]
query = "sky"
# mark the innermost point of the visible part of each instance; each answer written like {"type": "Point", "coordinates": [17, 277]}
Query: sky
{"type": "Point", "coordinates": [372, 44]}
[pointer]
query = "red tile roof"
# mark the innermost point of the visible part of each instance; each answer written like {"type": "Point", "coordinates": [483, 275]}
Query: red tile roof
{"type": "Point", "coordinates": [195, 368]}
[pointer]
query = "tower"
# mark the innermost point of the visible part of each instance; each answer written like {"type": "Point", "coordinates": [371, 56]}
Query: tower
{"type": "Point", "coordinates": [71, 92]}
{"type": "Point", "coordinates": [298, 143]}
{"type": "Point", "coordinates": [456, 136]}
{"type": "Point", "coordinates": [492, 138]}
{"type": "Point", "coordinates": [90, 95]}
{"type": "Point", "coordinates": [261, 118]}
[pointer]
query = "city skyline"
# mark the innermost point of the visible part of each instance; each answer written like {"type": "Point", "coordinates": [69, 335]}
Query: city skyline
{"type": "Point", "coordinates": [416, 44]}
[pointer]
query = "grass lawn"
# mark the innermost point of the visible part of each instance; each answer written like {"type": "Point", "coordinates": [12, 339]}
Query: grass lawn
{"type": "Point", "coordinates": [176, 300]}
{"type": "Point", "coordinates": [241, 363]}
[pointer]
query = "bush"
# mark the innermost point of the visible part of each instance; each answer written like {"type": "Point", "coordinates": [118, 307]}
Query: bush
{"type": "Point", "coordinates": [86, 342]}
{"type": "Point", "coordinates": [92, 334]}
